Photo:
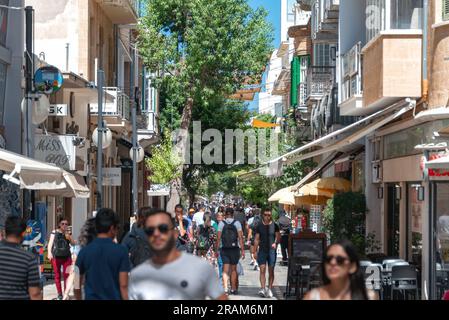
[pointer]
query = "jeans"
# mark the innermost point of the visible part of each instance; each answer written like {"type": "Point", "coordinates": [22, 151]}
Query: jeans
{"type": "Point", "coordinates": [57, 263]}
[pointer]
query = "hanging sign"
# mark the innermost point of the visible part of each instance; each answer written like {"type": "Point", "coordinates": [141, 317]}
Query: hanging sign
{"type": "Point", "coordinates": [112, 177]}
{"type": "Point", "coordinates": [48, 80]}
{"type": "Point", "coordinates": [58, 150]}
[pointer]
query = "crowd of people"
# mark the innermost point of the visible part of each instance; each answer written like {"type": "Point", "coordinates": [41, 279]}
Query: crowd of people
{"type": "Point", "coordinates": [193, 254]}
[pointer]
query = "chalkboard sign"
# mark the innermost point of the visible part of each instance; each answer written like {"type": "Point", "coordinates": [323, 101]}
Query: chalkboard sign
{"type": "Point", "coordinates": [307, 244]}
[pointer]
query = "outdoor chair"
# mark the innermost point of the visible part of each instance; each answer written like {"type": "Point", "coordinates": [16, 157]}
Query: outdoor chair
{"type": "Point", "coordinates": [365, 263]}
{"type": "Point", "coordinates": [295, 275]}
{"type": "Point", "coordinates": [315, 275]}
{"type": "Point", "coordinates": [404, 278]}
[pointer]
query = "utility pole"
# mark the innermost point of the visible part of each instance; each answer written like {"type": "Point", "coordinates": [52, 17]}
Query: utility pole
{"type": "Point", "coordinates": [28, 196]}
{"type": "Point", "coordinates": [101, 131]}
{"type": "Point", "coordinates": [134, 133]}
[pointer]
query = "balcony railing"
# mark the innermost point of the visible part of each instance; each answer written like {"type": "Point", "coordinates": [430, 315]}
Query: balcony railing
{"type": "Point", "coordinates": [119, 108]}
{"type": "Point", "coordinates": [320, 80]}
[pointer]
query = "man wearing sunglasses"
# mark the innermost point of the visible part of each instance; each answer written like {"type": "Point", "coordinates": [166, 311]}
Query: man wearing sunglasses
{"type": "Point", "coordinates": [268, 237]}
{"type": "Point", "coordinates": [171, 274]}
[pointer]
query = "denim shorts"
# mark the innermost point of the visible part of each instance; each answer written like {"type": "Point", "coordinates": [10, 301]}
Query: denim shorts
{"type": "Point", "coordinates": [267, 257]}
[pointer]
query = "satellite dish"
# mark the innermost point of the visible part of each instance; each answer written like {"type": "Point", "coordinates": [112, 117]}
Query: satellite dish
{"type": "Point", "coordinates": [107, 138]}
{"type": "Point", "coordinates": [40, 109]}
{"type": "Point", "coordinates": [140, 154]}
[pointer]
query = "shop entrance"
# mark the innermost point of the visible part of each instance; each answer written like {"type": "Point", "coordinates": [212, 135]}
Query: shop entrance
{"type": "Point", "coordinates": [393, 204]}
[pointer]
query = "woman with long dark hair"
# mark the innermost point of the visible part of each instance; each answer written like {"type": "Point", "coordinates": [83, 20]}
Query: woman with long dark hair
{"type": "Point", "coordinates": [342, 276]}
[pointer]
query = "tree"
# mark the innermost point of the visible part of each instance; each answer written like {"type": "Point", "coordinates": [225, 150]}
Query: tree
{"type": "Point", "coordinates": [205, 49]}
{"type": "Point", "coordinates": [164, 163]}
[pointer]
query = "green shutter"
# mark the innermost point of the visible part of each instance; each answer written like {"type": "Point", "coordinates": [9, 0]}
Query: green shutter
{"type": "Point", "coordinates": [295, 80]}
{"type": "Point", "coordinates": [445, 10]}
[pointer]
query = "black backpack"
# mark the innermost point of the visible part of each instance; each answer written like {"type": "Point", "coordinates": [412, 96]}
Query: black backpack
{"type": "Point", "coordinates": [229, 235]}
{"type": "Point", "coordinates": [140, 251]}
{"type": "Point", "coordinates": [284, 223]}
{"type": "Point", "coordinates": [61, 246]}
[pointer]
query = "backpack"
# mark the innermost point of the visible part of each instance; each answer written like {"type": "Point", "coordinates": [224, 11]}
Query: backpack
{"type": "Point", "coordinates": [61, 246]}
{"type": "Point", "coordinates": [284, 223]}
{"type": "Point", "coordinates": [140, 251]}
{"type": "Point", "coordinates": [229, 235]}
{"type": "Point", "coordinates": [203, 239]}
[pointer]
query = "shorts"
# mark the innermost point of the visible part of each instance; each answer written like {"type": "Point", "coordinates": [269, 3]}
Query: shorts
{"type": "Point", "coordinates": [230, 256]}
{"type": "Point", "coordinates": [264, 257]}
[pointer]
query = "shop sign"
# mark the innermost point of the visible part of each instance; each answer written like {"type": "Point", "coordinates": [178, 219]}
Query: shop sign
{"type": "Point", "coordinates": [48, 80]}
{"type": "Point", "coordinates": [58, 110]}
{"type": "Point", "coordinates": [58, 150]}
{"type": "Point", "coordinates": [112, 177]}
{"type": "Point", "coordinates": [435, 172]}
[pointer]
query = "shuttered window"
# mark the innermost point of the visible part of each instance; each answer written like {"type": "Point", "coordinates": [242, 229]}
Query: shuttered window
{"type": "Point", "coordinates": [445, 10]}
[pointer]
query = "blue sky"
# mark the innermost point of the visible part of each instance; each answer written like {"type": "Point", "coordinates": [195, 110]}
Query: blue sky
{"type": "Point", "coordinates": [274, 16]}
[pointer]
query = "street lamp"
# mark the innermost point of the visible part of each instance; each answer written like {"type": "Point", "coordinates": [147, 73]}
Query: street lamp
{"type": "Point", "coordinates": [106, 136]}
{"type": "Point", "coordinates": [140, 154]}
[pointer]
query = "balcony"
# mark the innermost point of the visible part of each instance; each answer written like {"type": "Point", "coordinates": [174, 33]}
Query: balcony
{"type": "Point", "coordinates": [116, 113]}
{"type": "Point", "coordinates": [320, 81]}
{"type": "Point", "coordinates": [305, 5]}
{"type": "Point", "coordinates": [121, 11]}
{"type": "Point", "coordinates": [325, 15]}
{"type": "Point", "coordinates": [391, 69]}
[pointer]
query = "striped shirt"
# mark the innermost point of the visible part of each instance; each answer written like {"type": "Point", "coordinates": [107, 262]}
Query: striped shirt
{"type": "Point", "coordinates": [19, 271]}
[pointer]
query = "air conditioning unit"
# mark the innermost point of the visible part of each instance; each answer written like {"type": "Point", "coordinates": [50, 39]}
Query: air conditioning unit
{"type": "Point", "coordinates": [376, 171]}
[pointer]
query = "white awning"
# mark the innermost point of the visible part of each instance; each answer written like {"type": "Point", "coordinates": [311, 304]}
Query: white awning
{"type": "Point", "coordinates": [440, 163]}
{"type": "Point", "coordinates": [40, 176]}
{"type": "Point", "coordinates": [295, 155]}
{"type": "Point", "coordinates": [159, 190]}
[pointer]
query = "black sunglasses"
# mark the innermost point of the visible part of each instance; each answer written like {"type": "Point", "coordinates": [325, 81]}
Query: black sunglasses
{"type": "Point", "coordinates": [339, 259]}
{"type": "Point", "coordinates": [163, 228]}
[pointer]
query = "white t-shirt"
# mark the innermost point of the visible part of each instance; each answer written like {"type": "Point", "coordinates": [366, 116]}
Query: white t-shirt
{"type": "Point", "coordinates": [187, 278]}
{"type": "Point", "coordinates": [198, 218]}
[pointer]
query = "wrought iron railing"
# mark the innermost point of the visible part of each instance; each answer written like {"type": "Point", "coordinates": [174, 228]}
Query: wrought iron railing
{"type": "Point", "coordinates": [320, 80]}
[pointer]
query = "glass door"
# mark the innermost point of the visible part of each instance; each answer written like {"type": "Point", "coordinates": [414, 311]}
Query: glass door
{"type": "Point", "coordinates": [393, 202]}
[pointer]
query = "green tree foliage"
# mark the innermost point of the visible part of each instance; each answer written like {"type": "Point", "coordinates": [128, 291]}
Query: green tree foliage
{"type": "Point", "coordinates": [344, 218]}
{"type": "Point", "coordinates": [164, 163]}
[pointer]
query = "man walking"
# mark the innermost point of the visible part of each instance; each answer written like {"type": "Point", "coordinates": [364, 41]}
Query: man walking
{"type": "Point", "coordinates": [230, 240]}
{"type": "Point", "coordinates": [171, 274]}
{"type": "Point", "coordinates": [19, 270]}
{"type": "Point", "coordinates": [265, 243]}
{"type": "Point", "coordinates": [104, 265]}
{"type": "Point", "coordinates": [285, 227]}
{"type": "Point", "coordinates": [136, 242]}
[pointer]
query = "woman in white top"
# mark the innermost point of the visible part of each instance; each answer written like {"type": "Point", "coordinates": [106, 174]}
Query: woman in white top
{"type": "Point", "coordinates": [342, 277]}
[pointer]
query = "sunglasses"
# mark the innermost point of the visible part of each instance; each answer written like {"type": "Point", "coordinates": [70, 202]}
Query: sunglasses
{"type": "Point", "coordinates": [339, 259]}
{"type": "Point", "coordinates": [267, 215]}
{"type": "Point", "coordinates": [163, 228]}
{"type": "Point", "coordinates": [64, 224]}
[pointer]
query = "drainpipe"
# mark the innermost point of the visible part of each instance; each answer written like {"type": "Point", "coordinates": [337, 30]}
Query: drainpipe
{"type": "Point", "coordinates": [425, 82]}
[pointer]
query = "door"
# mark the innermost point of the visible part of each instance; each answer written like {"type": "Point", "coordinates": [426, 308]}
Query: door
{"type": "Point", "coordinates": [393, 203]}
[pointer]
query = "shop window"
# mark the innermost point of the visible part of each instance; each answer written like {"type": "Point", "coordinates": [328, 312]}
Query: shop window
{"type": "Point", "coordinates": [441, 247]}
{"type": "Point", "coordinates": [414, 224]}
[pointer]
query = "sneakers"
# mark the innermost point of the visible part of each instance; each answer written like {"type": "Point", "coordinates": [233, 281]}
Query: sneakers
{"type": "Point", "coordinates": [262, 293]}
{"type": "Point", "coordinates": [252, 262]}
{"type": "Point", "coordinates": [268, 293]}
{"type": "Point", "coordinates": [256, 267]}
{"type": "Point", "coordinates": [234, 292]}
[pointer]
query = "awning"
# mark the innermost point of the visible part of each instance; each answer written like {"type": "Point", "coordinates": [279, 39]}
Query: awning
{"type": "Point", "coordinates": [315, 171]}
{"type": "Point", "coordinates": [159, 190]}
{"type": "Point", "coordinates": [40, 176]}
{"type": "Point", "coordinates": [293, 156]}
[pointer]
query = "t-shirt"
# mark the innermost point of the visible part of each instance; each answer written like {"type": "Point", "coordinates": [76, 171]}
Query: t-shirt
{"type": "Point", "coordinates": [267, 235]}
{"type": "Point", "coordinates": [101, 262]}
{"type": "Point", "coordinates": [229, 221]}
{"type": "Point", "coordinates": [198, 218]}
{"type": "Point", "coordinates": [187, 278]}
{"type": "Point", "coordinates": [19, 271]}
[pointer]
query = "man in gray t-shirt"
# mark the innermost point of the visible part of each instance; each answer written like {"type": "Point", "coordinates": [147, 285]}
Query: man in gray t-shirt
{"type": "Point", "coordinates": [171, 274]}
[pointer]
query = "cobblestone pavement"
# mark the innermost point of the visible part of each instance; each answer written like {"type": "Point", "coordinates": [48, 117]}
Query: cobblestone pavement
{"type": "Point", "coordinates": [249, 284]}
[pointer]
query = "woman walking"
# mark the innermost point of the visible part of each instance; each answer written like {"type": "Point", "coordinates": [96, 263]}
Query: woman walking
{"type": "Point", "coordinates": [342, 277]}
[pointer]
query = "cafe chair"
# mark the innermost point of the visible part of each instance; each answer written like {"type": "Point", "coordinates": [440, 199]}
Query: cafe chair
{"type": "Point", "coordinates": [404, 278]}
{"type": "Point", "coordinates": [373, 278]}
{"type": "Point", "coordinates": [295, 275]}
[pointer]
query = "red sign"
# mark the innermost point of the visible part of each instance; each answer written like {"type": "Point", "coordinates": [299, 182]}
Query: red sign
{"type": "Point", "coordinates": [435, 172]}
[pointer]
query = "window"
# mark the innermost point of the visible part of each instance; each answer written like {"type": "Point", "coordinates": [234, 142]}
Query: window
{"type": "Point", "coordinates": [3, 22]}
{"type": "Point", "coordinates": [445, 10]}
{"type": "Point", "coordinates": [414, 223]}
{"type": "Point", "coordinates": [324, 54]}
{"type": "Point", "coordinates": [291, 8]}
{"type": "Point", "coordinates": [384, 15]}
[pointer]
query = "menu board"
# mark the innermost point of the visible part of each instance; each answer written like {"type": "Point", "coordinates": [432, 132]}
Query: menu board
{"type": "Point", "coordinates": [308, 244]}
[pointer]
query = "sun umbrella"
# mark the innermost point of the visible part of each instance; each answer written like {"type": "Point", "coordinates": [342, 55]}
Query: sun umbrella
{"type": "Point", "coordinates": [312, 189]}
{"type": "Point", "coordinates": [311, 200]}
{"type": "Point", "coordinates": [334, 184]}
{"type": "Point", "coordinates": [279, 194]}
{"type": "Point", "coordinates": [287, 198]}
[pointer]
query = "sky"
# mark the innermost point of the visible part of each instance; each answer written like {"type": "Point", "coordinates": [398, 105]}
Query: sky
{"type": "Point", "coordinates": [274, 17]}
